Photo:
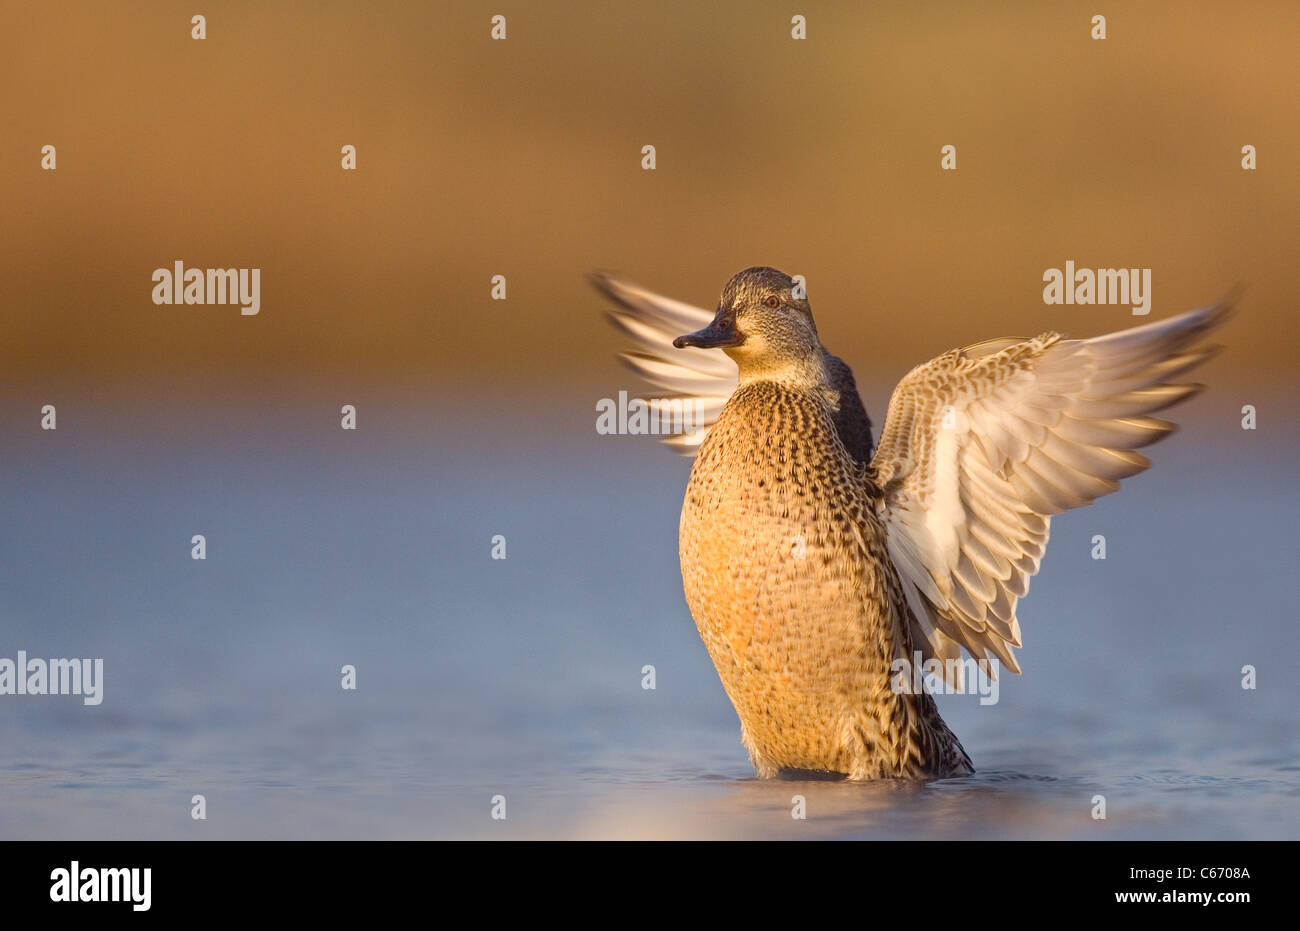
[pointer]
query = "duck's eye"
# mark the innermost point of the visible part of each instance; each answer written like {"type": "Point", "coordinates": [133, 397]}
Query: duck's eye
{"type": "Point", "coordinates": [773, 302]}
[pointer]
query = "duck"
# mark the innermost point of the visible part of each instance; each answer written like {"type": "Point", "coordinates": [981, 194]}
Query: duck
{"type": "Point", "coordinates": [819, 564]}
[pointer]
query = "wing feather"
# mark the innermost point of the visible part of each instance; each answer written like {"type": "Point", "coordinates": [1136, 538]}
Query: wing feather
{"type": "Point", "coordinates": [704, 377]}
{"type": "Point", "coordinates": [982, 446]}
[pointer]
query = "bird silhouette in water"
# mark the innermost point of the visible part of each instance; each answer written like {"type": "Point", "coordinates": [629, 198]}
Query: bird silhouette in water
{"type": "Point", "coordinates": [818, 568]}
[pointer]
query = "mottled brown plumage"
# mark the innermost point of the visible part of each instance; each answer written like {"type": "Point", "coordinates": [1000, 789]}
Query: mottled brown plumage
{"type": "Point", "coordinates": [786, 575]}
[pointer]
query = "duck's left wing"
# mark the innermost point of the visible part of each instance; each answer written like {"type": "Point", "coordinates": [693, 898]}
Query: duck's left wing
{"type": "Point", "coordinates": [696, 382]}
{"type": "Point", "coordinates": [982, 445]}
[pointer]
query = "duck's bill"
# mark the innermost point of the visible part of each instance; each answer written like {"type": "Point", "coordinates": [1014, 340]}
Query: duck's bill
{"type": "Point", "coordinates": [719, 334]}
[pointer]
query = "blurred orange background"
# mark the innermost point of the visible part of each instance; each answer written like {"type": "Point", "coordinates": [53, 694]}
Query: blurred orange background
{"type": "Point", "coordinates": [522, 158]}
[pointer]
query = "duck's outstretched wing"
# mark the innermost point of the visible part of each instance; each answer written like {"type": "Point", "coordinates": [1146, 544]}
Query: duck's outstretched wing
{"type": "Point", "coordinates": [982, 445]}
{"type": "Point", "coordinates": [702, 378]}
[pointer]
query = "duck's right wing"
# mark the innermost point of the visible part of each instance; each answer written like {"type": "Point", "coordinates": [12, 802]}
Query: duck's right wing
{"type": "Point", "coordinates": [696, 382]}
{"type": "Point", "coordinates": [982, 446]}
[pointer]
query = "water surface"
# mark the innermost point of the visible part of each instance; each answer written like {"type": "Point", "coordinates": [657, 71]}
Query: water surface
{"type": "Point", "coordinates": [522, 677]}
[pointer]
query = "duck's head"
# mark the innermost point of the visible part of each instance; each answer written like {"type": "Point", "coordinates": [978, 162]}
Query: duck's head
{"type": "Point", "coordinates": [764, 327]}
